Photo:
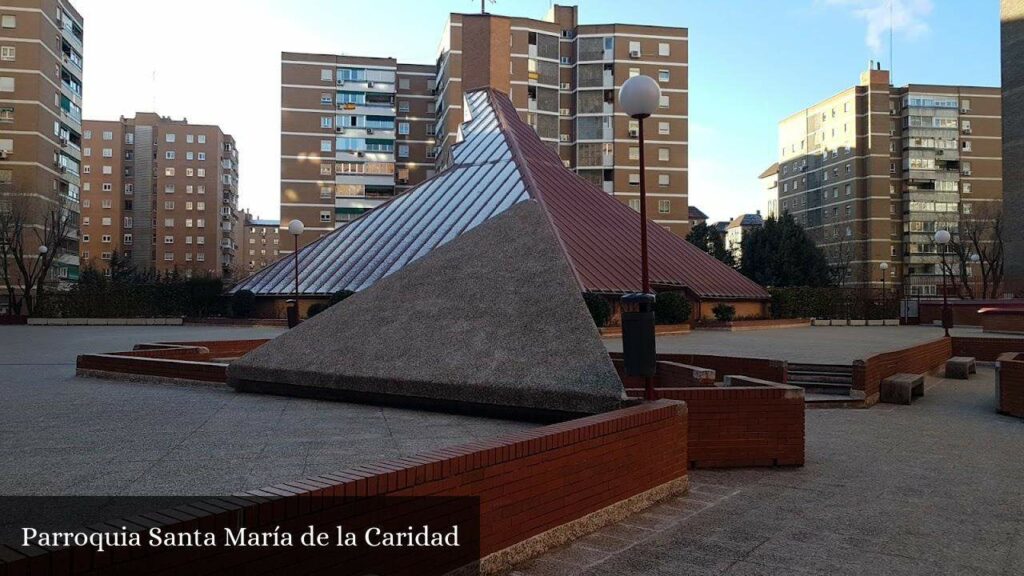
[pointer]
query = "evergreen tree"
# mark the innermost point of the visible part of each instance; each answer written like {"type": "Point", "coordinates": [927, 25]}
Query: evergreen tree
{"type": "Point", "coordinates": [710, 240]}
{"type": "Point", "coordinates": [782, 254]}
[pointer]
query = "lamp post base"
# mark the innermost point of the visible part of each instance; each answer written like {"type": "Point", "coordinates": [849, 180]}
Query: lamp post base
{"type": "Point", "coordinates": [293, 313]}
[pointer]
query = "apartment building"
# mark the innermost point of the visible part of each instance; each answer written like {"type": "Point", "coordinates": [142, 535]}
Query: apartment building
{"type": "Point", "coordinates": [1012, 47]}
{"type": "Point", "coordinates": [564, 77]}
{"type": "Point", "coordinates": [873, 171]}
{"type": "Point", "coordinates": [769, 179]}
{"type": "Point", "coordinates": [162, 193]}
{"type": "Point", "coordinates": [41, 112]}
{"type": "Point", "coordinates": [738, 228]}
{"type": "Point", "coordinates": [354, 133]}
{"type": "Point", "coordinates": [260, 243]}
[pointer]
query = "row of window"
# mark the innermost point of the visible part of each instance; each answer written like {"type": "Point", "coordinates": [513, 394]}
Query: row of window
{"type": "Point", "coordinates": [664, 206]}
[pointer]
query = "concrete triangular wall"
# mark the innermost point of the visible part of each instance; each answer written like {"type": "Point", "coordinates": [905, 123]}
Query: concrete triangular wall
{"type": "Point", "coordinates": [492, 321]}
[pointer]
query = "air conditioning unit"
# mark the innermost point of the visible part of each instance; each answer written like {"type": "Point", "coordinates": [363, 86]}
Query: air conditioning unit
{"type": "Point", "coordinates": [564, 86]}
{"type": "Point", "coordinates": [63, 141]}
{"type": "Point", "coordinates": [341, 82]}
{"type": "Point", "coordinates": [339, 130]}
{"type": "Point", "coordinates": [967, 130]}
{"type": "Point", "coordinates": [634, 133]}
{"type": "Point", "coordinates": [563, 137]}
{"type": "Point", "coordinates": [966, 172]}
{"type": "Point", "coordinates": [4, 154]}
{"type": "Point", "coordinates": [369, 84]}
{"type": "Point", "coordinates": [369, 130]}
{"type": "Point", "coordinates": [62, 169]}
{"type": "Point", "coordinates": [965, 110]}
{"type": "Point", "coordinates": [361, 154]}
{"type": "Point", "coordinates": [403, 180]}
{"type": "Point", "coordinates": [634, 53]}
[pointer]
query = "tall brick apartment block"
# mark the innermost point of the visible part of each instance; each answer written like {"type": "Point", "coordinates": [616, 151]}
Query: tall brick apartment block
{"type": "Point", "coordinates": [41, 111]}
{"type": "Point", "coordinates": [563, 78]}
{"type": "Point", "coordinates": [160, 192]}
{"type": "Point", "coordinates": [875, 170]}
{"type": "Point", "coordinates": [1012, 16]}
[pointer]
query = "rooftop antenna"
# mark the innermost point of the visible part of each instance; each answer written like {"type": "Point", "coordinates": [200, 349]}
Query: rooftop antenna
{"type": "Point", "coordinates": [483, 5]}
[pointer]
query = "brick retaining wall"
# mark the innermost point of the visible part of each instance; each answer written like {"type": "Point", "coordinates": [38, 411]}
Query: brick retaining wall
{"type": "Point", "coordinates": [536, 489]}
{"type": "Point", "coordinates": [1010, 384]}
{"type": "Point", "coordinates": [761, 368]}
{"type": "Point", "coordinates": [869, 373]}
{"type": "Point", "coordinates": [986, 349]}
{"type": "Point", "coordinates": [741, 425]}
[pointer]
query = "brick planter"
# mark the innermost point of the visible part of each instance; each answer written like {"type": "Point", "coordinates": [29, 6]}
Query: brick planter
{"type": "Point", "coordinates": [869, 373]}
{"type": "Point", "coordinates": [1010, 384]}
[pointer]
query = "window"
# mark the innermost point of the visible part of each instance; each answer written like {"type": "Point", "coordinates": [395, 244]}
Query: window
{"type": "Point", "coordinates": [6, 114]}
{"type": "Point", "coordinates": [663, 154]}
{"type": "Point", "coordinates": [169, 155]}
{"type": "Point", "coordinates": [168, 239]}
{"type": "Point", "coordinates": [169, 222]}
{"type": "Point", "coordinates": [86, 203]}
{"type": "Point", "coordinates": [403, 105]}
{"type": "Point", "coordinates": [664, 206]}
{"type": "Point", "coordinates": [663, 128]}
{"type": "Point", "coordinates": [634, 152]}
{"type": "Point", "coordinates": [169, 171]}
{"type": "Point", "coordinates": [200, 257]}
{"type": "Point", "coordinates": [168, 204]}
{"type": "Point", "coordinates": [849, 189]}
{"type": "Point", "coordinates": [326, 99]}
{"type": "Point", "coordinates": [326, 121]}
{"type": "Point", "coordinates": [634, 72]}
{"type": "Point", "coordinates": [326, 192]}
{"type": "Point", "coordinates": [200, 223]}
{"type": "Point", "coordinates": [663, 49]}
{"type": "Point", "coordinates": [169, 137]}
{"type": "Point", "coordinates": [635, 204]}
{"type": "Point", "coordinates": [403, 83]}
{"type": "Point", "coordinates": [634, 179]}
{"type": "Point", "coordinates": [86, 186]}
{"type": "Point", "coordinates": [202, 139]}
{"type": "Point", "coordinates": [200, 206]}
{"type": "Point", "coordinates": [105, 221]}
{"type": "Point", "coordinates": [201, 172]}
{"type": "Point", "coordinates": [663, 179]}
{"type": "Point", "coordinates": [108, 135]}
{"type": "Point", "coordinates": [6, 84]}
{"type": "Point", "coordinates": [634, 48]}
{"type": "Point", "coordinates": [202, 155]}
{"type": "Point", "coordinates": [326, 75]}
{"type": "Point", "coordinates": [106, 203]}
{"type": "Point", "coordinates": [7, 53]}
{"type": "Point", "coordinates": [201, 189]}
{"type": "Point", "coordinates": [200, 240]}
{"type": "Point", "coordinates": [325, 170]}
{"type": "Point", "coordinates": [190, 172]}
{"type": "Point", "coordinates": [190, 155]}
{"type": "Point", "coordinates": [85, 220]}
{"type": "Point", "coordinates": [105, 238]}
{"type": "Point", "coordinates": [168, 188]}
{"type": "Point", "coordinates": [168, 256]}
{"type": "Point", "coordinates": [188, 205]}
{"type": "Point", "coordinates": [967, 187]}
{"type": "Point", "coordinates": [85, 237]}
{"type": "Point", "coordinates": [403, 151]}
{"type": "Point", "coordinates": [128, 239]}
{"type": "Point", "coordinates": [108, 187]}
{"type": "Point", "coordinates": [129, 222]}
{"type": "Point", "coordinates": [325, 216]}
{"type": "Point", "coordinates": [967, 145]}
{"type": "Point", "coordinates": [663, 76]}
{"type": "Point", "coordinates": [9, 21]}
{"type": "Point", "coordinates": [403, 128]}
{"type": "Point", "coordinates": [190, 138]}
{"type": "Point", "coordinates": [108, 170]}
{"type": "Point", "coordinates": [663, 101]}
{"type": "Point", "coordinates": [325, 145]}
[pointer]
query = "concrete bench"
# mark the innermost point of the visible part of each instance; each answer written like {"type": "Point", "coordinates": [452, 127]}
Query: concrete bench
{"type": "Point", "coordinates": [961, 367]}
{"type": "Point", "coordinates": [901, 388]}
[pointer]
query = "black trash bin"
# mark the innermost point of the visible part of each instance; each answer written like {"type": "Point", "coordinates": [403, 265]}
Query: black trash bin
{"type": "Point", "coordinates": [638, 348]}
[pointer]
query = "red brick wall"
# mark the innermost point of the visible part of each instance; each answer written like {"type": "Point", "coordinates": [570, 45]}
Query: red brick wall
{"type": "Point", "coordinates": [527, 483]}
{"type": "Point", "coordinates": [669, 375]}
{"type": "Point", "coordinates": [741, 426]}
{"type": "Point", "coordinates": [986, 349]}
{"type": "Point", "coordinates": [965, 312]}
{"type": "Point", "coordinates": [761, 368]}
{"type": "Point", "coordinates": [868, 374]}
{"type": "Point", "coordinates": [1011, 384]}
{"type": "Point", "coordinates": [1007, 321]}
{"type": "Point", "coordinates": [158, 367]}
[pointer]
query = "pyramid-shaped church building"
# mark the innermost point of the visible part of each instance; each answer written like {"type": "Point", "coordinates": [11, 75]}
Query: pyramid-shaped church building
{"type": "Point", "coordinates": [500, 162]}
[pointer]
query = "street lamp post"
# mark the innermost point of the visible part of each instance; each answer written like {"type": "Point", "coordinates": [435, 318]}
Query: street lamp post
{"type": "Point", "coordinates": [975, 258]}
{"type": "Point", "coordinates": [639, 97]}
{"type": "Point", "coordinates": [942, 239]}
{"type": "Point", "coordinates": [885, 269]}
{"type": "Point", "coordinates": [295, 228]}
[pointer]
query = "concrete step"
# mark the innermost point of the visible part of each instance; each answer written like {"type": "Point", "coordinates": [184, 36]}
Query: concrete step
{"type": "Point", "coordinates": [821, 368]}
{"type": "Point", "coordinates": [812, 400]}
{"type": "Point", "coordinates": [830, 388]}
{"type": "Point", "coordinates": [830, 377]}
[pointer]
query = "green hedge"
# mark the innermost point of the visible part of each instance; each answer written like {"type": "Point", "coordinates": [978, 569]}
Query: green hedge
{"type": "Point", "coordinates": [671, 308]}
{"type": "Point", "coordinates": [834, 302]}
{"type": "Point", "coordinates": [137, 295]}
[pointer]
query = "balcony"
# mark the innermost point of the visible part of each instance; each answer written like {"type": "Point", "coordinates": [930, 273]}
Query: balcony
{"type": "Point", "coordinates": [366, 179]}
{"type": "Point", "coordinates": [371, 86]}
{"type": "Point", "coordinates": [368, 108]}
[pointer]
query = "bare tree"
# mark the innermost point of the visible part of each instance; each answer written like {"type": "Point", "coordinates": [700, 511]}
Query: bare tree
{"type": "Point", "coordinates": [34, 230]}
{"type": "Point", "coordinates": [978, 233]}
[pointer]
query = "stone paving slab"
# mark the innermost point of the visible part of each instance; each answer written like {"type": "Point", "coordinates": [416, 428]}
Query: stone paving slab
{"type": "Point", "coordinates": [931, 488]}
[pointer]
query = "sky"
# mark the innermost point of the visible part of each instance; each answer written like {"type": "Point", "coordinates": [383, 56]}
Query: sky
{"type": "Point", "coordinates": [752, 63]}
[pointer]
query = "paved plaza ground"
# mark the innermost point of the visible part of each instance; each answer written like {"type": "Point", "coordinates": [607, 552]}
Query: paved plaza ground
{"type": "Point", "coordinates": [85, 436]}
{"type": "Point", "coordinates": [934, 488]}
{"type": "Point", "coordinates": [810, 344]}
